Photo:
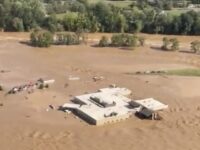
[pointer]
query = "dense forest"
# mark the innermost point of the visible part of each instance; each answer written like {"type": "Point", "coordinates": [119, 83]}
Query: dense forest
{"type": "Point", "coordinates": [147, 16]}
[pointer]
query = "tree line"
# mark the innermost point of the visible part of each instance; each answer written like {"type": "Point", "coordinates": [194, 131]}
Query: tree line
{"type": "Point", "coordinates": [80, 15]}
{"type": "Point", "coordinates": [173, 45]}
{"type": "Point", "coordinates": [43, 38]}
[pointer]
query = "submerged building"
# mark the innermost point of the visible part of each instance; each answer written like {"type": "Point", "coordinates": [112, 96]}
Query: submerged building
{"type": "Point", "coordinates": [109, 105]}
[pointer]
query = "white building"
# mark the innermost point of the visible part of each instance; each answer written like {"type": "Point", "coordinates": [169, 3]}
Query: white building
{"type": "Point", "coordinates": [108, 105]}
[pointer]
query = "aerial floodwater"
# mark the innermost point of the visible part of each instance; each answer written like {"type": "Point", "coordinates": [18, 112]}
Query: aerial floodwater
{"type": "Point", "coordinates": [99, 75]}
{"type": "Point", "coordinates": [36, 123]}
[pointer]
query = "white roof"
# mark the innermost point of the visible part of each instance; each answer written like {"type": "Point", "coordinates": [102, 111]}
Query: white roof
{"type": "Point", "coordinates": [49, 81]}
{"type": "Point", "coordinates": [71, 106]}
{"type": "Point", "coordinates": [115, 96]}
{"type": "Point", "coordinates": [107, 97]}
{"type": "Point", "coordinates": [152, 104]}
{"type": "Point", "coordinates": [99, 113]}
{"type": "Point", "coordinates": [96, 112]}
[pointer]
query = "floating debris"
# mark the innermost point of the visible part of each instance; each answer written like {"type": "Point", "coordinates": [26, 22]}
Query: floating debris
{"type": "Point", "coordinates": [71, 78]}
{"type": "Point", "coordinates": [95, 79]}
{"type": "Point", "coordinates": [151, 72]}
{"type": "Point", "coordinates": [4, 71]}
{"type": "Point", "coordinates": [39, 84]}
{"type": "Point", "coordinates": [110, 105]}
{"type": "Point", "coordinates": [113, 86]}
{"type": "Point", "coordinates": [51, 106]}
{"type": "Point", "coordinates": [66, 85]}
{"type": "Point", "coordinates": [1, 88]}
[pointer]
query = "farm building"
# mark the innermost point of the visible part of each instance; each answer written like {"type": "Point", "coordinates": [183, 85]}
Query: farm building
{"type": "Point", "coordinates": [109, 105]}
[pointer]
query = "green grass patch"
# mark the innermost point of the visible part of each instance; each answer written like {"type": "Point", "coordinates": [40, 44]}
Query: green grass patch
{"type": "Point", "coordinates": [177, 11]}
{"type": "Point", "coordinates": [184, 72]}
{"type": "Point", "coordinates": [96, 1]}
{"type": "Point", "coordinates": [62, 15]}
{"type": "Point", "coordinates": [122, 4]}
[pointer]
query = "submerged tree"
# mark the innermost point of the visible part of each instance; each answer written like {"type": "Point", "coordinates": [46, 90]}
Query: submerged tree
{"type": "Point", "coordinates": [125, 40]}
{"type": "Point", "coordinates": [67, 39]}
{"type": "Point", "coordinates": [166, 43]}
{"type": "Point", "coordinates": [19, 15]}
{"type": "Point", "coordinates": [141, 41]}
{"type": "Point", "coordinates": [41, 38]}
{"type": "Point", "coordinates": [174, 44]}
{"type": "Point", "coordinates": [104, 42]}
{"type": "Point", "coordinates": [195, 46]}
{"type": "Point", "coordinates": [170, 44]}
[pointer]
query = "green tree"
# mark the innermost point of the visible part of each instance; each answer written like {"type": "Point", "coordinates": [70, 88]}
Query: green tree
{"type": "Point", "coordinates": [82, 23]}
{"type": "Point", "coordinates": [41, 38]}
{"type": "Point", "coordinates": [176, 25]}
{"type": "Point", "coordinates": [125, 40]}
{"type": "Point", "coordinates": [51, 23]}
{"type": "Point", "coordinates": [14, 13]}
{"type": "Point", "coordinates": [141, 40]}
{"type": "Point", "coordinates": [94, 24]}
{"type": "Point", "coordinates": [69, 21]}
{"type": "Point", "coordinates": [186, 23]}
{"type": "Point", "coordinates": [167, 5]}
{"type": "Point", "coordinates": [142, 3]}
{"type": "Point", "coordinates": [121, 23]}
{"type": "Point", "coordinates": [196, 26]}
{"type": "Point", "coordinates": [195, 1]}
{"type": "Point", "coordinates": [67, 39]}
{"type": "Point", "coordinates": [161, 23]}
{"type": "Point", "coordinates": [77, 7]}
{"type": "Point", "coordinates": [103, 13]}
{"type": "Point", "coordinates": [13, 24]}
{"type": "Point", "coordinates": [104, 42]}
{"type": "Point", "coordinates": [175, 44]}
{"type": "Point", "coordinates": [166, 43]}
{"type": "Point", "coordinates": [135, 20]}
{"type": "Point", "coordinates": [195, 46]}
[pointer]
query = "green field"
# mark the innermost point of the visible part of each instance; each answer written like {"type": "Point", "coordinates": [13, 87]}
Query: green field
{"type": "Point", "coordinates": [61, 16]}
{"type": "Point", "coordinates": [184, 72]}
{"type": "Point", "coordinates": [116, 3]}
{"type": "Point", "coordinates": [177, 12]}
{"type": "Point", "coordinates": [176, 72]}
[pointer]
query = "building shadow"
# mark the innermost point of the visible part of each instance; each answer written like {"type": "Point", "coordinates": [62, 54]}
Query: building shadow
{"type": "Point", "coordinates": [188, 52]}
{"type": "Point", "coordinates": [158, 48]}
{"type": "Point", "coordinates": [26, 43]}
{"type": "Point", "coordinates": [126, 48]}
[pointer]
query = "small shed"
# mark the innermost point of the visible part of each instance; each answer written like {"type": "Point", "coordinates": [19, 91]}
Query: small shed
{"type": "Point", "coordinates": [152, 104]}
{"type": "Point", "coordinates": [145, 113]}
